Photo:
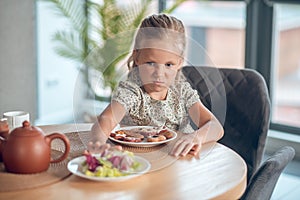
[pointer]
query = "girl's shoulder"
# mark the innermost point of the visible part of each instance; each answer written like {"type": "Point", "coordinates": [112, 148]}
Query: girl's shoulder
{"type": "Point", "coordinates": [182, 88]}
{"type": "Point", "coordinates": [133, 76]}
{"type": "Point", "coordinates": [128, 93]}
{"type": "Point", "coordinates": [181, 84]}
{"type": "Point", "coordinates": [128, 88]}
{"type": "Point", "coordinates": [132, 83]}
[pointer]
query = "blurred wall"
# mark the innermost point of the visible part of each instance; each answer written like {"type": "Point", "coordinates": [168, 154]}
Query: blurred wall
{"type": "Point", "coordinates": [18, 71]}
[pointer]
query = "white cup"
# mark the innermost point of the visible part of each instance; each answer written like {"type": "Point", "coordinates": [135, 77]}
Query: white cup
{"type": "Point", "coordinates": [15, 118]}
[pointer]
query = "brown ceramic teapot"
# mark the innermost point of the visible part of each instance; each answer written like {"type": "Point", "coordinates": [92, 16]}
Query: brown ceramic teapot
{"type": "Point", "coordinates": [27, 150]}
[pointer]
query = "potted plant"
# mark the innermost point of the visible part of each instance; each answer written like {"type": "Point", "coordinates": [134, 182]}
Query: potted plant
{"type": "Point", "coordinates": [100, 36]}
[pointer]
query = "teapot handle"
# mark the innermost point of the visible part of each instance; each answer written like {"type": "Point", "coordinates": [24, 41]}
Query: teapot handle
{"type": "Point", "coordinates": [51, 137]}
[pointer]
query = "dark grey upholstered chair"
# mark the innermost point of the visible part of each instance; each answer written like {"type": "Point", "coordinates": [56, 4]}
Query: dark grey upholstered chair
{"type": "Point", "coordinates": [239, 99]}
{"type": "Point", "coordinates": [264, 180]}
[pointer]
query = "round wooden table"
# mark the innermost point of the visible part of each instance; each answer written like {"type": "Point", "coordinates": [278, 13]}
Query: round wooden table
{"type": "Point", "coordinates": [218, 173]}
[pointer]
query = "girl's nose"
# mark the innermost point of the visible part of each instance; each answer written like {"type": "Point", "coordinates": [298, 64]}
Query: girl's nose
{"type": "Point", "coordinates": [160, 69]}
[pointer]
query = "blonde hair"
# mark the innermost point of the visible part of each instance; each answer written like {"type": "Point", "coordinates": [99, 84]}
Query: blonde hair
{"type": "Point", "coordinates": [162, 27]}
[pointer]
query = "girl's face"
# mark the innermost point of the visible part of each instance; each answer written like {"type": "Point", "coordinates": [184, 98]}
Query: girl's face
{"type": "Point", "coordinates": [157, 69]}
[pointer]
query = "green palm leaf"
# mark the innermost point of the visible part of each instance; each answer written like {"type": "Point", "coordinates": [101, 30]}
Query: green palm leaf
{"type": "Point", "coordinates": [100, 34]}
{"type": "Point", "coordinates": [69, 46]}
{"type": "Point", "coordinates": [73, 10]}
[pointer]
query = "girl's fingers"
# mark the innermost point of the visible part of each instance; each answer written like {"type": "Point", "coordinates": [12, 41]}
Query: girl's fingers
{"type": "Point", "coordinates": [90, 147]}
{"type": "Point", "coordinates": [195, 149]}
{"type": "Point", "coordinates": [179, 145]}
{"type": "Point", "coordinates": [182, 148]}
{"type": "Point", "coordinates": [118, 147]}
{"type": "Point", "coordinates": [188, 147]}
{"type": "Point", "coordinates": [97, 147]}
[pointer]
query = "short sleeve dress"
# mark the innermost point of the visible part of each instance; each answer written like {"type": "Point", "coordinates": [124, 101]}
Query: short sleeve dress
{"type": "Point", "coordinates": [142, 110]}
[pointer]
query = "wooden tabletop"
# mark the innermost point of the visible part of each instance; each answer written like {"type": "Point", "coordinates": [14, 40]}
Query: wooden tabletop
{"type": "Point", "coordinates": [219, 173]}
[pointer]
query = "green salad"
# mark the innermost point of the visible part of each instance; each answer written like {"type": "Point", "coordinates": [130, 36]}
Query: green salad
{"type": "Point", "coordinates": [111, 163]}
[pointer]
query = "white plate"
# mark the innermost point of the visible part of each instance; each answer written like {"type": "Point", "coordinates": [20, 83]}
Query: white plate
{"type": "Point", "coordinates": [75, 164]}
{"type": "Point", "coordinates": [143, 143]}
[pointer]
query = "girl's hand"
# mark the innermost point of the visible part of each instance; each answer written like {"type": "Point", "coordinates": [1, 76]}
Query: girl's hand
{"type": "Point", "coordinates": [98, 148]}
{"type": "Point", "coordinates": [98, 135]}
{"type": "Point", "coordinates": [188, 144]}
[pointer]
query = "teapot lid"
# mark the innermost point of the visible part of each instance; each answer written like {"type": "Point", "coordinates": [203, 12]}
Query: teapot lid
{"type": "Point", "coordinates": [26, 130]}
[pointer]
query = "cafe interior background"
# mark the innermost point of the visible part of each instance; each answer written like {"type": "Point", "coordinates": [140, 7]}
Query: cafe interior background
{"type": "Point", "coordinates": [260, 34]}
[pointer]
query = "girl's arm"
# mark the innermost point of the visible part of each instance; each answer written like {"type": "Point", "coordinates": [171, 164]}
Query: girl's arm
{"type": "Point", "coordinates": [107, 121]}
{"type": "Point", "coordinates": [209, 127]}
{"type": "Point", "coordinates": [209, 130]}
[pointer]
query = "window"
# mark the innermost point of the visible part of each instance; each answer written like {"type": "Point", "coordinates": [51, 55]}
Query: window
{"type": "Point", "coordinates": [286, 59]}
{"type": "Point", "coordinates": [207, 24]}
{"type": "Point", "coordinates": [270, 45]}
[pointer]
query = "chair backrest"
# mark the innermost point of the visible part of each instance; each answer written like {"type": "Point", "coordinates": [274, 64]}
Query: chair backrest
{"type": "Point", "coordinates": [264, 180]}
{"type": "Point", "coordinates": [239, 99]}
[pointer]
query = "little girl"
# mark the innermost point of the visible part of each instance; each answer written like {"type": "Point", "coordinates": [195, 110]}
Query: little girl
{"type": "Point", "coordinates": [156, 93]}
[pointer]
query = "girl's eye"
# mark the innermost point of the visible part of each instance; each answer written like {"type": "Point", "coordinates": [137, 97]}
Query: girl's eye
{"type": "Point", "coordinates": [152, 64]}
{"type": "Point", "coordinates": [169, 65]}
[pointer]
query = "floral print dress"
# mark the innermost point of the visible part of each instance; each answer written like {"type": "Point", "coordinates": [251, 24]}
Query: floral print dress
{"type": "Point", "coordinates": [142, 110]}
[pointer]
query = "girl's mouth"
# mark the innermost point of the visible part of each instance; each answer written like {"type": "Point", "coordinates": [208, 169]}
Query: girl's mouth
{"type": "Point", "coordinates": [158, 82]}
